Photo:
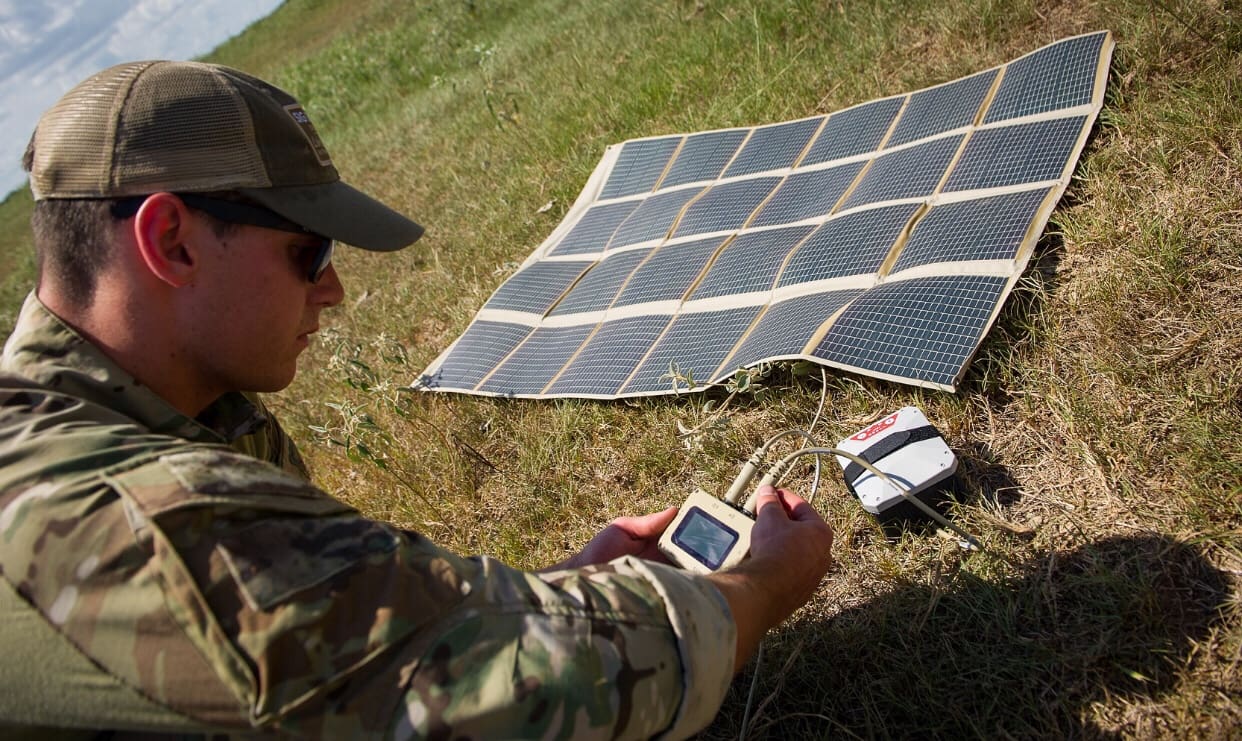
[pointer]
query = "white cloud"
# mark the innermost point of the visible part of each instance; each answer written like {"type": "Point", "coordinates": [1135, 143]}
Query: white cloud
{"type": "Point", "coordinates": [48, 46]}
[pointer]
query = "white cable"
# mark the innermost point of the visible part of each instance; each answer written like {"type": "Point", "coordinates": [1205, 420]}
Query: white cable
{"type": "Point", "coordinates": [781, 467]}
{"type": "Point", "coordinates": [734, 494]}
{"type": "Point", "coordinates": [750, 696]}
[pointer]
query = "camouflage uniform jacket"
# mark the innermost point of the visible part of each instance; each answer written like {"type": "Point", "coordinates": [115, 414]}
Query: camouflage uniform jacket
{"type": "Point", "coordinates": [182, 576]}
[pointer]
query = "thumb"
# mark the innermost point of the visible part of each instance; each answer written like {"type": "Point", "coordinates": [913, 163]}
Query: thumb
{"type": "Point", "coordinates": [767, 500]}
{"type": "Point", "coordinates": [646, 526]}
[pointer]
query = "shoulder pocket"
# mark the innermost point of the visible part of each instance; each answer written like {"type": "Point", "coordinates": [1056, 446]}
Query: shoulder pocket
{"type": "Point", "coordinates": [222, 479]}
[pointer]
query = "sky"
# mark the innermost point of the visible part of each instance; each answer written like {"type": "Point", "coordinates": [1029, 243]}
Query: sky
{"type": "Point", "coordinates": [48, 46]}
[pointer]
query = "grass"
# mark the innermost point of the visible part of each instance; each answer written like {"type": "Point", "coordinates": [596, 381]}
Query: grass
{"type": "Point", "coordinates": [1098, 428]}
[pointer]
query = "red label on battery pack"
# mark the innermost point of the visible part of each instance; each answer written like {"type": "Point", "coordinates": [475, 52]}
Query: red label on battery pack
{"type": "Point", "coordinates": [877, 428]}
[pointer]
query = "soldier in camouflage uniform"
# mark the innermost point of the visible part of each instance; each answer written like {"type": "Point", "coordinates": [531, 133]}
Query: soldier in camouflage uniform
{"type": "Point", "coordinates": [168, 568]}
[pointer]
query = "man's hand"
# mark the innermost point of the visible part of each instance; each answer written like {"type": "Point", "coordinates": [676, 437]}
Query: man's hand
{"type": "Point", "coordinates": [625, 536]}
{"type": "Point", "coordinates": [790, 551]}
{"type": "Point", "coordinates": [791, 545]}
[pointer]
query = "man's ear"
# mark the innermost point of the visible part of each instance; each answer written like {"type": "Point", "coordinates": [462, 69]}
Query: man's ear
{"type": "Point", "coordinates": [162, 231]}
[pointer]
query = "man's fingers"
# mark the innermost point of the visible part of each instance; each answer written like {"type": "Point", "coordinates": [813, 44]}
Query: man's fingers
{"type": "Point", "coordinates": [766, 499]}
{"type": "Point", "coordinates": [796, 507]}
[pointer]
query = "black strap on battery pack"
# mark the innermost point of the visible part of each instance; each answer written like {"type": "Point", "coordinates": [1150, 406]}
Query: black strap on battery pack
{"type": "Point", "coordinates": [890, 444]}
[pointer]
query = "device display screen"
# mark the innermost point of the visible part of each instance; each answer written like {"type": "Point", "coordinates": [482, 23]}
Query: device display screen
{"type": "Point", "coordinates": [707, 539]}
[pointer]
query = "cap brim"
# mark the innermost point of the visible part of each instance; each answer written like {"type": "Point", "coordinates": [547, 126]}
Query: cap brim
{"type": "Point", "coordinates": [340, 212]}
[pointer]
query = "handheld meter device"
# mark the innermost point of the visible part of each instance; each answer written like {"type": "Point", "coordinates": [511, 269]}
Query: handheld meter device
{"type": "Point", "coordinates": [707, 535]}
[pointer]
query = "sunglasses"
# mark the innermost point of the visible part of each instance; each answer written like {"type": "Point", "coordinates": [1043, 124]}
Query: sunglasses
{"type": "Point", "coordinates": [314, 262]}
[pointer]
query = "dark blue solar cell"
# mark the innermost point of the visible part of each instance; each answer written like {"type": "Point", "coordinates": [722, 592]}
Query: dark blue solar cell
{"type": "Point", "coordinates": [853, 131]}
{"type": "Point", "coordinates": [1060, 76]}
{"type": "Point", "coordinates": [654, 218]}
{"type": "Point", "coordinates": [536, 362]}
{"type": "Point", "coordinates": [983, 229]}
{"type": "Point", "coordinates": [536, 287]}
{"type": "Point", "coordinates": [1025, 153]}
{"type": "Point", "coordinates": [639, 166]}
{"type": "Point", "coordinates": [610, 356]}
{"type": "Point", "coordinates": [703, 157]}
{"type": "Point", "coordinates": [476, 352]}
{"type": "Point", "coordinates": [848, 245]}
{"type": "Point", "coordinates": [787, 327]}
{"type": "Point", "coordinates": [925, 329]}
{"type": "Point", "coordinates": [598, 288]}
{"type": "Point", "coordinates": [805, 195]}
{"type": "Point", "coordinates": [906, 173]}
{"type": "Point", "coordinates": [695, 344]}
{"type": "Point", "coordinates": [773, 147]}
{"type": "Point", "coordinates": [669, 273]}
{"type": "Point", "coordinates": [594, 229]}
{"type": "Point", "coordinates": [725, 207]}
{"type": "Point", "coordinates": [942, 108]}
{"type": "Point", "coordinates": [750, 262]}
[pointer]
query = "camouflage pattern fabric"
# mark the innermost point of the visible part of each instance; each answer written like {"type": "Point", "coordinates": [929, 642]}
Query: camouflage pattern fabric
{"type": "Point", "coordinates": [193, 563]}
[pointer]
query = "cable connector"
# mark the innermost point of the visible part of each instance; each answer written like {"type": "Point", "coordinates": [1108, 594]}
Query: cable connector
{"type": "Point", "coordinates": [734, 494]}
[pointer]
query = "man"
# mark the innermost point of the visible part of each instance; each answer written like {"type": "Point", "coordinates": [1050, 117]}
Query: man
{"type": "Point", "coordinates": [167, 566]}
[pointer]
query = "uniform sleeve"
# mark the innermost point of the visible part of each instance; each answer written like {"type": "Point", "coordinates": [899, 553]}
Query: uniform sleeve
{"type": "Point", "coordinates": [630, 649]}
{"type": "Point", "coordinates": [329, 624]}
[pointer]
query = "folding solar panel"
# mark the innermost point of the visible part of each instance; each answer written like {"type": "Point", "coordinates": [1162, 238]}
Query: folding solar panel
{"type": "Point", "coordinates": [882, 239]}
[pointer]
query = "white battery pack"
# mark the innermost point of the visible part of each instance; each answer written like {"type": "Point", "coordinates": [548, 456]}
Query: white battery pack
{"type": "Point", "coordinates": [906, 447]}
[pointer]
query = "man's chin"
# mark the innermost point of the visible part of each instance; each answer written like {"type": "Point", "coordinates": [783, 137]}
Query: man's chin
{"type": "Point", "coordinates": [273, 383]}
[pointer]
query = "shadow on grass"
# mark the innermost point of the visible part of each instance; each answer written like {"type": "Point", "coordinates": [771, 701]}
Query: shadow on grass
{"type": "Point", "coordinates": [1023, 658]}
{"type": "Point", "coordinates": [984, 474]}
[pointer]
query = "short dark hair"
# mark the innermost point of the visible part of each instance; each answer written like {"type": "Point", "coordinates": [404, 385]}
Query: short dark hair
{"type": "Point", "coordinates": [73, 242]}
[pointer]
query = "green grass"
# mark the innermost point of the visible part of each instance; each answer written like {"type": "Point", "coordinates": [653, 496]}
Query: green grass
{"type": "Point", "coordinates": [16, 256]}
{"type": "Point", "coordinates": [1098, 427]}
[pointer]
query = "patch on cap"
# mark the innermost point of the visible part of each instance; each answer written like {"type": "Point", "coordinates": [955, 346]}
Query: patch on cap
{"type": "Point", "coordinates": [308, 130]}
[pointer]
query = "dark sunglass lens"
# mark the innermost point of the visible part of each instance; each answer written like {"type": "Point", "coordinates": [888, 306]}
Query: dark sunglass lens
{"type": "Point", "coordinates": [319, 265]}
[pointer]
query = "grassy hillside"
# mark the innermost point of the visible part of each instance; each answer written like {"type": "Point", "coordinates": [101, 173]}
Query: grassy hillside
{"type": "Point", "coordinates": [1098, 428]}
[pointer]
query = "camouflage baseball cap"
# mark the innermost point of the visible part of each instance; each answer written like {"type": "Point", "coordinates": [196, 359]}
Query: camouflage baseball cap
{"type": "Point", "coordinates": [148, 127]}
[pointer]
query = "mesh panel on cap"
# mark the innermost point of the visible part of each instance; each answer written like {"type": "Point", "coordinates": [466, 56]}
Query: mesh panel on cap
{"type": "Point", "coordinates": [184, 128]}
{"type": "Point", "coordinates": [289, 148]}
{"type": "Point", "coordinates": [73, 143]}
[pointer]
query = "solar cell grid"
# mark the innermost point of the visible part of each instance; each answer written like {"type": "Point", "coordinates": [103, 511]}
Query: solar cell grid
{"type": "Point", "coordinates": [983, 229]}
{"type": "Point", "coordinates": [703, 157]}
{"type": "Point", "coordinates": [639, 166]}
{"type": "Point", "coordinates": [749, 263]}
{"type": "Point", "coordinates": [883, 183]}
{"type": "Point", "coordinates": [724, 207]}
{"type": "Point", "coordinates": [669, 272]}
{"type": "Point", "coordinates": [926, 328]}
{"type": "Point", "coordinates": [696, 344]}
{"type": "Point", "coordinates": [592, 232]}
{"type": "Point", "coordinates": [853, 131]}
{"type": "Point", "coordinates": [786, 327]}
{"type": "Point", "coordinates": [805, 195]}
{"type": "Point", "coordinates": [475, 353]}
{"type": "Point", "coordinates": [942, 108]}
{"type": "Point", "coordinates": [773, 147]}
{"type": "Point", "coordinates": [598, 288]}
{"type": "Point", "coordinates": [653, 218]}
{"type": "Point", "coordinates": [610, 356]}
{"type": "Point", "coordinates": [1027, 153]}
{"type": "Point", "coordinates": [1060, 76]}
{"type": "Point", "coordinates": [906, 173]}
{"type": "Point", "coordinates": [536, 361]}
{"type": "Point", "coordinates": [849, 245]}
{"type": "Point", "coordinates": [536, 287]}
